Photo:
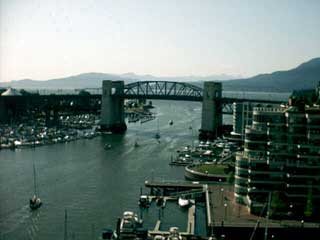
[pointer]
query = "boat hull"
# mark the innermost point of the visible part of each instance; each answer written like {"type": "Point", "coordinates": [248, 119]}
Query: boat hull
{"type": "Point", "coordinates": [35, 206]}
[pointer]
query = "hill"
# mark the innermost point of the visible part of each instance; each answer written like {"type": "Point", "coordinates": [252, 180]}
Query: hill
{"type": "Point", "coordinates": [94, 80]}
{"type": "Point", "coordinates": [305, 76]}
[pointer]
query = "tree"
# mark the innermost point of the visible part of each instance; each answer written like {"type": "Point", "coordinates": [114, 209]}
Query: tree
{"type": "Point", "coordinates": [309, 207]}
{"type": "Point", "coordinates": [230, 177]}
{"type": "Point", "coordinates": [84, 93]}
{"type": "Point", "coordinates": [278, 204]}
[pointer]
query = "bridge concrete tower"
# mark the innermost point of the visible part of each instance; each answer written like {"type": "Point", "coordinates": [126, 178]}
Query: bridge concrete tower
{"type": "Point", "coordinates": [211, 123]}
{"type": "Point", "coordinates": [112, 107]}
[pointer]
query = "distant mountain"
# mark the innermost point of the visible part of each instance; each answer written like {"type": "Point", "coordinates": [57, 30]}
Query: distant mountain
{"type": "Point", "coordinates": [84, 80]}
{"type": "Point", "coordinates": [305, 76]}
{"type": "Point", "coordinates": [94, 80]}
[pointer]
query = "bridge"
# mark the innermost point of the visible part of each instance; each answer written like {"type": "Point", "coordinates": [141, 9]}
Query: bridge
{"type": "Point", "coordinates": [111, 102]}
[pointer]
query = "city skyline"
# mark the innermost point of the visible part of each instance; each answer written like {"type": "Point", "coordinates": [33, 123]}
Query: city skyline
{"type": "Point", "coordinates": [50, 39]}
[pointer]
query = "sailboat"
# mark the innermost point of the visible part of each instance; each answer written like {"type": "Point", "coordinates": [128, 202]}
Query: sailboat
{"type": "Point", "coordinates": [157, 136]}
{"type": "Point", "coordinates": [35, 201]}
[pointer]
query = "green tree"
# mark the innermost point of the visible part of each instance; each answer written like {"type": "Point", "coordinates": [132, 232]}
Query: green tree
{"type": "Point", "coordinates": [84, 93]}
{"type": "Point", "coordinates": [309, 207]}
{"type": "Point", "coordinates": [230, 177]}
{"type": "Point", "coordinates": [278, 204]}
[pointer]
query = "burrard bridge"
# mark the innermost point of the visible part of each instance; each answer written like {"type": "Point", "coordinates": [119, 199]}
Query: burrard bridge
{"type": "Point", "coordinates": [111, 102]}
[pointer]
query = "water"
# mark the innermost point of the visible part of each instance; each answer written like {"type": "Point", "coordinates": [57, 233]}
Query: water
{"type": "Point", "coordinates": [95, 185]}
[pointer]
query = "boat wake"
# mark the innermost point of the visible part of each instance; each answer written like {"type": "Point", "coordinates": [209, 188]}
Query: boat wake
{"type": "Point", "coordinates": [11, 220]}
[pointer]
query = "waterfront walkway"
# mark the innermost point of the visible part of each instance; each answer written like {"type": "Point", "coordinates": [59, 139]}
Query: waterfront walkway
{"type": "Point", "coordinates": [224, 211]}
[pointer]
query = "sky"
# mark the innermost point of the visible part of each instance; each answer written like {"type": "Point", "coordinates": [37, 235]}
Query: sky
{"type": "Point", "coordinates": [45, 39]}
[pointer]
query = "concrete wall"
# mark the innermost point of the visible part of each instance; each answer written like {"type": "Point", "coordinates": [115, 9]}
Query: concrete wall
{"type": "Point", "coordinates": [112, 106]}
{"type": "Point", "coordinates": [212, 109]}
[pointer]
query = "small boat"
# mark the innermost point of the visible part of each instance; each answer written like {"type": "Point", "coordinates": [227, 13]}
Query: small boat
{"type": "Point", "coordinates": [183, 202]}
{"type": "Point", "coordinates": [136, 144]}
{"type": "Point", "coordinates": [159, 237]}
{"type": "Point", "coordinates": [144, 201]}
{"type": "Point", "coordinates": [107, 146]}
{"type": "Point", "coordinates": [170, 122]}
{"type": "Point", "coordinates": [174, 234]}
{"type": "Point", "coordinates": [157, 135]}
{"type": "Point", "coordinates": [129, 225]}
{"type": "Point", "coordinates": [35, 201]}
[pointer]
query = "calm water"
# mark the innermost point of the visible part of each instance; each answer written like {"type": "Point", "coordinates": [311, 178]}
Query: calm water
{"type": "Point", "coordinates": [94, 185]}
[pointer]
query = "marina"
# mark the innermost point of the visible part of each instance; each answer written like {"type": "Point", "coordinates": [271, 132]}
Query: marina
{"type": "Point", "coordinates": [200, 209]}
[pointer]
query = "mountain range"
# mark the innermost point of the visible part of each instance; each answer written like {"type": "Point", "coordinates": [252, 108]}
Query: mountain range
{"type": "Point", "coordinates": [94, 80]}
{"type": "Point", "coordinates": [304, 76]}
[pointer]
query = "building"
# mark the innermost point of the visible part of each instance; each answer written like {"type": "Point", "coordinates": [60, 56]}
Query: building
{"type": "Point", "coordinates": [242, 116]}
{"type": "Point", "coordinates": [282, 155]}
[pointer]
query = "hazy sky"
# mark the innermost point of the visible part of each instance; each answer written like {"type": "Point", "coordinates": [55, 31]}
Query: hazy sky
{"type": "Point", "coordinates": [43, 39]}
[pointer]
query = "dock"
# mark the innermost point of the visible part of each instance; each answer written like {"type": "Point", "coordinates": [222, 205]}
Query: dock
{"type": "Point", "coordinates": [189, 228]}
{"type": "Point", "coordinates": [157, 227]}
{"type": "Point", "coordinates": [171, 191]}
{"type": "Point", "coordinates": [191, 218]}
{"type": "Point", "coordinates": [165, 188]}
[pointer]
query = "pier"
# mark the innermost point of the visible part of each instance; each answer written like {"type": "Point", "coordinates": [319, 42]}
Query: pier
{"type": "Point", "coordinates": [189, 229]}
{"type": "Point", "coordinates": [170, 188]}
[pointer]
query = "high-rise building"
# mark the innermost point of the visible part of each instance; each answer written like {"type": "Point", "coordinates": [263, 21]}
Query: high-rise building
{"type": "Point", "coordinates": [282, 155]}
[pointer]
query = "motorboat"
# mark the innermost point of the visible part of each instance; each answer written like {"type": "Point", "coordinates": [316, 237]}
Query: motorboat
{"type": "Point", "coordinates": [144, 201]}
{"type": "Point", "coordinates": [129, 224]}
{"type": "Point", "coordinates": [157, 135]}
{"type": "Point", "coordinates": [159, 237]}
{"type": "Point", "coordinates": [183, 202]}
{"type": "Point", "coordinates": [107, 146]}
{"type": "Point", "coordinates": [174, 234]}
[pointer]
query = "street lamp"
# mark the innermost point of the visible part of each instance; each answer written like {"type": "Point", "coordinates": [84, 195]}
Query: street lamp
{"type": "Point", "coordinates": [225, 211]}
{"type": "Point", "coordinates": [222, 195]}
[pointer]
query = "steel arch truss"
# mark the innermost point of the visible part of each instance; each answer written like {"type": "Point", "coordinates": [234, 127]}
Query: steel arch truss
{"type": "Point", "coordinates": [163, 90]}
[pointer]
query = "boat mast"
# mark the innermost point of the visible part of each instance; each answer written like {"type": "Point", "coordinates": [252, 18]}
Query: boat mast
{"type": "Point", "coordinates": [34, 180]}
{"type": "Point", "coordinates": [158, 125]}
{"type": "Point", "coordinates": [65, 225]}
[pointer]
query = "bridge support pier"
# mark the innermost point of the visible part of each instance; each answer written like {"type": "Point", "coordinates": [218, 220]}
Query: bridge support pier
{"type": "Point", "coordinates": [112, 107]}
{"type": "Point", "coordinates": [211, 123]}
